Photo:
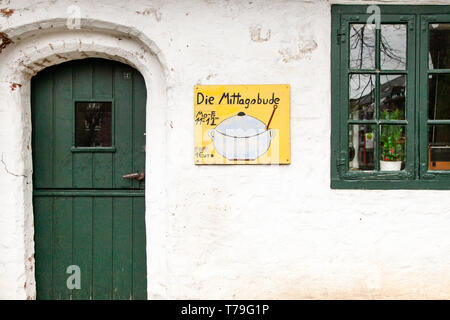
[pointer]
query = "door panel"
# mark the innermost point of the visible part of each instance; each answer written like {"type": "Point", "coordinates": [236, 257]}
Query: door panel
{"type": "Point", "coordinates": [62, 245]}
{"type": "Point", "coordinates": [59, 165]}
{"type": "Point", "coordinates": [85, 213]}
{"type": "Point", "coordinates": [82, 243]}
{"type": "Point", "coordinates": [104, 236]}
{"type": "Point", "coordinates": [62, 123]}
{"type": "Point", "coordinates": [102, 248]}
{"type": "Point", "coordinates": [43, 234]}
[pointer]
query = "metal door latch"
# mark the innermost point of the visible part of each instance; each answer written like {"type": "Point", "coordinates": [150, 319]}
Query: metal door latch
{"type": "Point", "coordinates": [138, 176]}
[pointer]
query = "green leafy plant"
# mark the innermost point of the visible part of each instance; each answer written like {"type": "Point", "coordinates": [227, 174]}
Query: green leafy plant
{"type": "Point", "coordinates": [392, 138]}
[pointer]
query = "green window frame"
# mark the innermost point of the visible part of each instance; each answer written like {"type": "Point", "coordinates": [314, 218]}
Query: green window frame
{"type": "Point", "coordinates": [415, 173]}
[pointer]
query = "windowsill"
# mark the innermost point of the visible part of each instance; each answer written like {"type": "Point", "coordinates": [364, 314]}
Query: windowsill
{"type": "Point", "coordinates": [390, 185]}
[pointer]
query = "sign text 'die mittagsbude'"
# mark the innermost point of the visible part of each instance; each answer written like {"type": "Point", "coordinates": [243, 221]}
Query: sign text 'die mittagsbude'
{"type": "Point", "coordinates": [242, 124]}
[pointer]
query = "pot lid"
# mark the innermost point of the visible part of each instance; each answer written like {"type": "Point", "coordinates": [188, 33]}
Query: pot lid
{"type": "Point", "coordinates": [241, 125]}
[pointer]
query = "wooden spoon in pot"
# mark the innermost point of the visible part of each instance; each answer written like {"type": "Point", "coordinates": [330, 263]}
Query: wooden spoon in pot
{"type": "Point", "coordinates": [273, 112]}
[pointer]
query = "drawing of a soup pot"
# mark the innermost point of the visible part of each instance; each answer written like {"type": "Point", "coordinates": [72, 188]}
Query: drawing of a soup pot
{"type": "Point", "coordinates": [241, 137]}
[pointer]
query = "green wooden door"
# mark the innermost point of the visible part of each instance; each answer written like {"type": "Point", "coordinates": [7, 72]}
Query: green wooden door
{"type": "Point", "coordinates": [88, 131]}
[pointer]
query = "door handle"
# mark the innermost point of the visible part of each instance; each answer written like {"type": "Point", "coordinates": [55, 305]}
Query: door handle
{"type": "Point", "coordinates": [138, 176]}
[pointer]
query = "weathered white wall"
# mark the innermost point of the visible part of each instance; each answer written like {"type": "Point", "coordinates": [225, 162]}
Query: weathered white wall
{"type": "Point", "coordinates": [224, 231]}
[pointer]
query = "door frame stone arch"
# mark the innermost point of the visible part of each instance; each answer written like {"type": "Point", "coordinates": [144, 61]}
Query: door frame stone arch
{"type": "Point", "coordinates": [25, 51]}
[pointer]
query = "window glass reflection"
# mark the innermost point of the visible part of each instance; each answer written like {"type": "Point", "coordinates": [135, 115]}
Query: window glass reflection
{"type": "Point", "coordinates": [362, 96]}
{"type": "Point", "coordinates": [362, 46]}
{"type": "Point", "coordinates": [439, 147]}
{"type": "Point", "coordinates": [393, 47]}
{"type": "Point", "coordinates": [361, 147]}
{"type": "Point", "coordinates": [93, 124]}
{"type": "Point", "coordinates": [439, 46]}
{"type": "Point", "coordinates": [392, 96]}
{"type": "Point", "coordinates": [392, 147]}
{"type": "Point", "coordinates": [439, 96]}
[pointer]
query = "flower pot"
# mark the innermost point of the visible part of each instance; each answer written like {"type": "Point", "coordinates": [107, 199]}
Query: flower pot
{"type": "Point", "coordinates": [390, 165]}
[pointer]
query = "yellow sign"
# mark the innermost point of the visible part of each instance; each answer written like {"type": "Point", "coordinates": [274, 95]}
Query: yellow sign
{"type": "Point", "coordinates": [242, 124]}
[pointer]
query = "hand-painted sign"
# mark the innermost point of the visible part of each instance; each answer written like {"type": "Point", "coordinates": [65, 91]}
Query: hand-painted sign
{"type": "Point", "coordinates": [242, 124]}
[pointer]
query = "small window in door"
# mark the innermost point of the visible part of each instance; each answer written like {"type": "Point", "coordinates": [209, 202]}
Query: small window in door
{"type": "Point", "coordinates": [93, 124]}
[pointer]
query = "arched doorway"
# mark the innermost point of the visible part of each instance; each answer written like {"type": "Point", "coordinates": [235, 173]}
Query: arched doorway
{"type": "Point", "coordinates": [88, 119]}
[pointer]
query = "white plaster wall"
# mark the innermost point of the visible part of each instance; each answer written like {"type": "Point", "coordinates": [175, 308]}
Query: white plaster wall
{"type": "Point", "coordinates": [235, 231]}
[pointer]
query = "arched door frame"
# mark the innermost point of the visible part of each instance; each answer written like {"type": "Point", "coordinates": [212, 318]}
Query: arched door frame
{"type": "Point", "coordinates": [23, 55]}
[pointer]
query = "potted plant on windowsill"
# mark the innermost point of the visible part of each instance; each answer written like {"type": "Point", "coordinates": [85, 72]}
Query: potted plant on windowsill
{"type": "Point", "coordinates": [392, 142]}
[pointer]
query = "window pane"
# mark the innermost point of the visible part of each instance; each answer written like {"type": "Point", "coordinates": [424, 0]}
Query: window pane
{"type": "Point", "coordinates": [439, 46]}
{"type": "Point", "coordinates": [439, 147]}
{"type": "Point", "coordinates": [392, 147]}
{"type": "Point", "coordinates": [439, 96]}
{"type": "Point", "coordinates": [361, 147]}
{"type": "Point", "coordinates": [362, 97]}
{"type": "Point", "coordinates": [93, 124]}
{"type": "Point", "coordinates": [362, 46]}
{"type": "Point", "coordinates": [392, 97]}
{"type": "Point", "coordinates": [393, 47]}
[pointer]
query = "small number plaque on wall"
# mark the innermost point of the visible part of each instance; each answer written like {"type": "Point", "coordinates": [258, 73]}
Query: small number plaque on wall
{"type": "Point", "coordinates": [242, 124]}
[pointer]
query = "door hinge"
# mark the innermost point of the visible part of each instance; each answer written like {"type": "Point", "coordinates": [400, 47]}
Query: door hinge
{"type": "Point", "coordinates": [341, 35]}
{"type": "Point", "coordinates": [341, 165]}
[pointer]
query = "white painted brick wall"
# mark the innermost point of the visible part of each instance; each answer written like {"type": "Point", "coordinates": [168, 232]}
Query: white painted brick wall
{"type": "Point", "coordinates": [224, 231]}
